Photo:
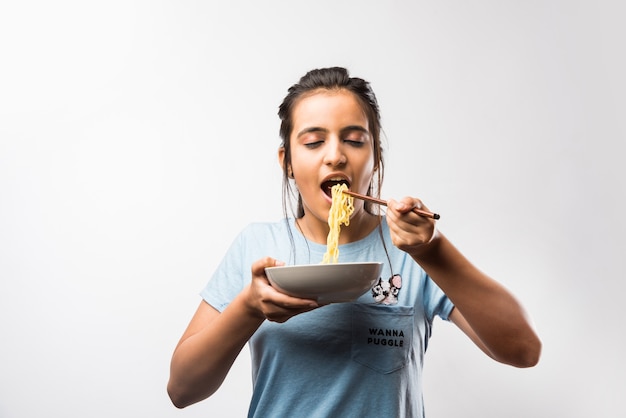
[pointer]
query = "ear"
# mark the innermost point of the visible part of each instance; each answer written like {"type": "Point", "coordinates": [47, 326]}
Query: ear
{"type": "Point", "coordinates": [281, 162]}
{"type": "Point", "coordinates": [281, 156]}
{"type": "Point", "coordinates": [396, 280]}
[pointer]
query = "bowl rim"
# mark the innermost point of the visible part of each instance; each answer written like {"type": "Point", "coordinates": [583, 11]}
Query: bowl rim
{"type": "Point", "coordinates": [326, 265]}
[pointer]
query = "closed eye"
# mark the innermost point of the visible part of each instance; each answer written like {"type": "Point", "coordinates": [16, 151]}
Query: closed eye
{"type": "Point", "coordinates": [357, 144]}
{"type": "Point", "coordinates": [313, 145]}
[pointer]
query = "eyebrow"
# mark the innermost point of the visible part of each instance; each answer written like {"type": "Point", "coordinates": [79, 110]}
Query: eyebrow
{"type": "Point", "coordinates": [310, 130]}
{"type": "Point", "coordinates": [343, 130]}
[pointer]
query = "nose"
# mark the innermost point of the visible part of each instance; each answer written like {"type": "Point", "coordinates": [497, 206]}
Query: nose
{"type": "Point", "coordinates": [335, 155]}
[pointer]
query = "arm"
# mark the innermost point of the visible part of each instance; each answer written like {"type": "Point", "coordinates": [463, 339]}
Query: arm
{"type": "Point", "coordinates": [484, 309]}
{"type": "Point", "coordinates": [203, 357]}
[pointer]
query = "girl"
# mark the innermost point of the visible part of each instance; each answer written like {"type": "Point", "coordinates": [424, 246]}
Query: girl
{"type": "Point", "coordinates": [348, 359]}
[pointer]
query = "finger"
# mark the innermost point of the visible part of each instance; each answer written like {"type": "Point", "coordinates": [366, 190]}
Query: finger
{"type": "Point", "coordinates": [285, 307]}
{"type": "Point", "coordinates": [258, 267]}
{"type": "Point", "coordinates": [415, 203]}
{"type": "Point", "coordinates": [290, 302]}
{"type": "Point", "coordinates": [398, 206]}
{"type": "Point", "coordinates": [406, 204]}
{"type": "Point", "coordinates": [283, 316]}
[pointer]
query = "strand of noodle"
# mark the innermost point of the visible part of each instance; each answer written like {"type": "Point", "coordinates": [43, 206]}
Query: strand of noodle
{"type": "Point", "coordinates": [341, 208]}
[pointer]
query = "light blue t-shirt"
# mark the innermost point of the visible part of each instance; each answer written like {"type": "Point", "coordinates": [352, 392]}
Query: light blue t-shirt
{"type": "Point", "coordinates": [361, 359]}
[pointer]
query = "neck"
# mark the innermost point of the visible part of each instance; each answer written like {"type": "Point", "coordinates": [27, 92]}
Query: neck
{"type": "Point", "coordinates": [316, 230]}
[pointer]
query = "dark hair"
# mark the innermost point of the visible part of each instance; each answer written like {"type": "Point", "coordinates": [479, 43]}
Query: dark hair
{"type": "Point", "coordinates": [333, 78]}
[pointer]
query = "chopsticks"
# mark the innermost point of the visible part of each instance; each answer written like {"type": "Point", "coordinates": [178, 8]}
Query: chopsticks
{"type": "Point", "coordinates": [420, 212]}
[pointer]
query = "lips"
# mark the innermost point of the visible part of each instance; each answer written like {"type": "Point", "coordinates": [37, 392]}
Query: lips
{"type": "Point", "coordinates": [328, 184]}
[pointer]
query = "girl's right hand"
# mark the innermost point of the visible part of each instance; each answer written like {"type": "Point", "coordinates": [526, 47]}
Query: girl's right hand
{"type": "Point", "coordinates": [266, 302]}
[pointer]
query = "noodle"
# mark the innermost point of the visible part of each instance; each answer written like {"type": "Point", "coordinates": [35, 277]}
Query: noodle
{"type": "Point", "coordinates": [340, 210]}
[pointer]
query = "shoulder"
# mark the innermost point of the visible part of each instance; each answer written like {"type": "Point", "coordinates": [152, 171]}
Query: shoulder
{"type": "Point", "coordinates": [259, 233]}
{"type": "Point", "coordinates": [263, 228]}
{"type": "Point", "coordinates": [254, 240]}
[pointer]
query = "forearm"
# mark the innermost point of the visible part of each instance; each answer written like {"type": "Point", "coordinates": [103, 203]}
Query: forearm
{"type": "Point", "coordinates": [494, 314]}
{"type": "Point", "coordinates": [201, 361]}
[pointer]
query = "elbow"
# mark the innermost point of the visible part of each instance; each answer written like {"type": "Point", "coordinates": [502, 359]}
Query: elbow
{"type": "Point", "coordinates": [527, 355]}
{"type": "Point", "coordinates": [178, 400]}
{"type": "Point", "coordinates": [526, 361]}
{"type": "Point", "coordinates": [185, 395]}
{"type": "Point", "coordinates": [181, 398]}
{"type": "Point", "coordinates": [532, 355]}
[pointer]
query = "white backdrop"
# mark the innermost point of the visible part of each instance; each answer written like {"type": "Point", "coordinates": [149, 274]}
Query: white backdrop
{"type": "Point", "coordinates": [138, 137]}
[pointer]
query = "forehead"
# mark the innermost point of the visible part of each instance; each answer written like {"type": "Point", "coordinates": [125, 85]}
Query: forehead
{"type": "Point", "coordinates": [329, 108]}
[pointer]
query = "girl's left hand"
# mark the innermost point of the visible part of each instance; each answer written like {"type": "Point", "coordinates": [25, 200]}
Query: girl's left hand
{"type": "Point", "coordinates": [410, 232]}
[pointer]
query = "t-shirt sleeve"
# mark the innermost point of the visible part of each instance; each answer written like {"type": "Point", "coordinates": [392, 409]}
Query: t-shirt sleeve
{"type": "Point", "coordinates": [435, 301]}
{"type": "Point", "coordinates": [229, 278]}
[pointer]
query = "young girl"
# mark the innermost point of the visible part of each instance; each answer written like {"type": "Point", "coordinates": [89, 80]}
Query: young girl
{"type": "Point", "coordinates": [360, 359]}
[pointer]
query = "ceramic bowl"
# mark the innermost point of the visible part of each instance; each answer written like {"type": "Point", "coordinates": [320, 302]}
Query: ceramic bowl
{"type": "Point", "coordinates": [327, 283]}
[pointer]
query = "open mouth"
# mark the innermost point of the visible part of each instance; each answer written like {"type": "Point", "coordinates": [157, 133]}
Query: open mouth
{"type": "Point", "coordinates": [328, 185]}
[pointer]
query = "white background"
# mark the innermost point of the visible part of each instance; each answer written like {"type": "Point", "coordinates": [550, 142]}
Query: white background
{"type": "Point", "coordinates": [138, 137]}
